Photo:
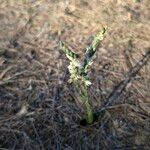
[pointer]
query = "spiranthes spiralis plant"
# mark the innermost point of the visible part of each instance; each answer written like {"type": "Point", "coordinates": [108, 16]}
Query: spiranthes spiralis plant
{"type": "Point", "coordinates": [79, 72]}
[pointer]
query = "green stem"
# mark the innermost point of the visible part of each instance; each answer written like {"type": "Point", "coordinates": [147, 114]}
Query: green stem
{"type": "Point", "coordinates": [84, 99]}
{"type": "Point", "coordinates": [89, 112]}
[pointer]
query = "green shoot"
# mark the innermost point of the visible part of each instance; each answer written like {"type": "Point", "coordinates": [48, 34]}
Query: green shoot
{"type": "Point", "coordinates": [79, 72]}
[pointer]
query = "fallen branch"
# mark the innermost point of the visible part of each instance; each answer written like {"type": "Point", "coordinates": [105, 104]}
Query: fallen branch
{"type": "Point", "coordinates": [116, 93]}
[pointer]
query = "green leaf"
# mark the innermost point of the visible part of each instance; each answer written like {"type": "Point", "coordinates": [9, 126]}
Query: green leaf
{"type": "Point", "coordinates": [69, 53]}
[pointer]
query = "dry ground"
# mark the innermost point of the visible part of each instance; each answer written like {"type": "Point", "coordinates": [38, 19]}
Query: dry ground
{"type": "Point", "coordinates": [37, 105]}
